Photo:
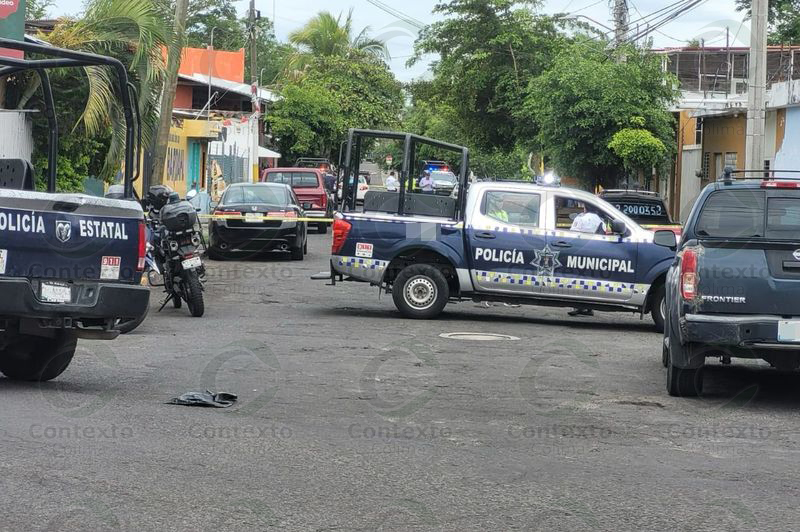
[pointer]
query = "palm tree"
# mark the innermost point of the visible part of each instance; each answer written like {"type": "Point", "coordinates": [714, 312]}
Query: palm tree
{"type": "Point", "coordinates": [326, 35]}
{"type": "Point", "coordinates": [132, 30]}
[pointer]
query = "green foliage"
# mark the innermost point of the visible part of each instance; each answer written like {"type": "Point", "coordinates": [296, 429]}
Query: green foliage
{"type": "Point", "coordinates": [488, 51]}
{"type": "Point", "coordinates": [585, 98]}
{"type": "Point", "coordinates": [784, 20]}
{"type": "Point", "coordinates": [638, 148]}
{"type": "Point", "coordinates": [307, 120]}
{"type": "Point", "coordinates": [38, 9]}
{"type": "Point", "coordinates": [335, 94]}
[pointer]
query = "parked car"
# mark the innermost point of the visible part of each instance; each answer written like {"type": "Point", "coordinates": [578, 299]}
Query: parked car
{"type": "Point", "coordinates": [309, 185]}
{"type": "Point", "coordinates": [361, 192]}
{"type": "Point", "coordinates": [734, 288]}
{"type": "Point", "coordinates": [646, 208]}
{"type": "Point", "coordinates": [444, 182]}
{"type": "Point", "coordinates": [258, 217]}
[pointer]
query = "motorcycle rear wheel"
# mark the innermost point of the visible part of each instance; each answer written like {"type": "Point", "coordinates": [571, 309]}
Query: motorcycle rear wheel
{"type": "Point", "coordinates": [192, 291]}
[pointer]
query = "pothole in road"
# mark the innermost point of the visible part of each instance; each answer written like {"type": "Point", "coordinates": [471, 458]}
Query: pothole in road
{"type": "Point", "coordinates": [478, 337]}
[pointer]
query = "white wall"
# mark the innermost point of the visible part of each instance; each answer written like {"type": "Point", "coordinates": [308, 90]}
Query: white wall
{"type": "Point", "coordinates": [788, 158]}
{"type": "Point", "coordinates": [16, 135]}
{"type": "Point", "coordinates": [690, 184]}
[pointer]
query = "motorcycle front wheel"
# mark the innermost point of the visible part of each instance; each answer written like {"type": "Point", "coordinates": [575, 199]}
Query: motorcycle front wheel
{"type": "Point", "coordinates": [193, 293]}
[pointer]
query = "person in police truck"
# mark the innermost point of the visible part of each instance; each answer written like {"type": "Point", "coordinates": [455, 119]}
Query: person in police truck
{"type": "Point", "coordinates": [587, 222]}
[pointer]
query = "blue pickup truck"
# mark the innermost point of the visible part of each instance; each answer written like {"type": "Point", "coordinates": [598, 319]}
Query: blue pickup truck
{"type": "Point", "coordinates": [734, 288]}
{"type": "Point", "coordinates": [508, 242]}
{"type": "Point", "coordinates": [70, 264]}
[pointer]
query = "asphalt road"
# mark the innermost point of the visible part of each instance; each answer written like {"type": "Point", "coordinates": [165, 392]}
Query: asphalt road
{"type": "Point", "coordinates": [352, 418]}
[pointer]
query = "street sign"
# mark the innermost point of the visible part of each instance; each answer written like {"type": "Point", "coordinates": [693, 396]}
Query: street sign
{"type": "Point", "coordinates": [12, 24]}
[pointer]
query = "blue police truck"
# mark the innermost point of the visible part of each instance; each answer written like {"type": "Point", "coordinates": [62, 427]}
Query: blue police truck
{"type": "Point", "coordinates": [509, 242]}
{"type": "Point", "coordinates": [70, 264]}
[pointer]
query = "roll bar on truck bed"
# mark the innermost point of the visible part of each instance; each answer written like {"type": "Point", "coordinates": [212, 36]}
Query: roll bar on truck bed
{"type": "Point", "coordinates": [61, 58]}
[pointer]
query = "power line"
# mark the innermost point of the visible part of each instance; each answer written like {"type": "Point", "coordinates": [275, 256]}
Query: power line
{"type": "Point", "coordinates": [398, 14]}
{"type": "Point", "coordinates": [666, 18]}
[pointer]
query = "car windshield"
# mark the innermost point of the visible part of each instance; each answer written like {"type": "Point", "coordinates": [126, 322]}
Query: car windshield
{"type": "Point", "coordinates": [294, 179]}
{"type": "Point", "coordinates": [643, 211]}
{"type": "Point", "coordinates": [256, 195]}
{"type": "Point", "coordinates": [444, 176]}
{"type": "Point", "coordinates": [733, 214]}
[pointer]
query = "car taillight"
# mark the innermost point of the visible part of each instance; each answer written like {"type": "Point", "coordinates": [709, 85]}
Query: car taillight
{"type": "Point", "coordinates": [323, 201]}
{"type": "Point", "coordinates": [689, 277]}
{"type": "Point", "coordinates": [341, 229]}
{"type": "Point", "coordinates": [142, 247]}
{"type": "Point", "coordinates": [780, 184]}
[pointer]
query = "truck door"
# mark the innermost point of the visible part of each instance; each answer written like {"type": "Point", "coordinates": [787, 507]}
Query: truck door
{"type": "Point", "coordinates": [505, 234]}
{"type": "Point", "coordinates": [597, 266]}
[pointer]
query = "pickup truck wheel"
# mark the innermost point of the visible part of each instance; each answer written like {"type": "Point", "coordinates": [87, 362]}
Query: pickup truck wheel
{"type": "Point", "coordinates": [659, 308]}
{"type": "Point", "coordinates": [420, 292]}
{"type": "Point", "coordinates": [40, 359]}
{"type": "Point", "coordinates": [683, 382]}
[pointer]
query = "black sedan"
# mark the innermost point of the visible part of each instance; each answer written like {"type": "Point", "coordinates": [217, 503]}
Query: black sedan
{"type": "Point", "coordinates": [258, 217]}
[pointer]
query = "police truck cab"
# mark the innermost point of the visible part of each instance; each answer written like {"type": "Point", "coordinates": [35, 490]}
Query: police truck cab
{"type": "Point", "coordinates": [508, 242]}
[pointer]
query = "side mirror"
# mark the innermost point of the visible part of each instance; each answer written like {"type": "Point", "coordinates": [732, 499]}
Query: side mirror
{"type": "Point", "coordinates": [618, 227]}
{"type": "Point", "coordinates": [191, 195]}
{"type": "Point", "coordinates": [665, 238]}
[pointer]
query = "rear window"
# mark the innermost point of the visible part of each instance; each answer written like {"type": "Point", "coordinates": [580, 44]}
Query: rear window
{"type": "Point", "coordinates": [783, 218]}
{"type": "Point", "coordinates": [642, 211]}
{"type": "Point", "coordinates": [253, 195]}
{"type": "Point", "coordinates": [733, 214]}
{"type": "Point", "coordinates": [295, 179]}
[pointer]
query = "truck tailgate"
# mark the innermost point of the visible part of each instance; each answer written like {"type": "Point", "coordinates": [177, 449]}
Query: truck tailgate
{"type": "Point", "coordinates": [68, 236]}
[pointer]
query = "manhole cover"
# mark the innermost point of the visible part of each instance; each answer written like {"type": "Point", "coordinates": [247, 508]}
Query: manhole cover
{"type": "Point", "coordinates": [478, 337]}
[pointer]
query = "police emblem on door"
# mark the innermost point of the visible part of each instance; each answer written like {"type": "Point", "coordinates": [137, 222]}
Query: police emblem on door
{"type": "Point", "coordinates": [63, 230]}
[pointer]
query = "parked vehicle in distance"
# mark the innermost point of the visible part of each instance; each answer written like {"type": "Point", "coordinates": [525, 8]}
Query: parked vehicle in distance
{"type": "Point", "coordinates": [506, 242]}
{"type": "Point", "coordinates": [646, 208]}
{"type": "Point", "coordinates": [320, 163]}
{"type": "Point", "coordinates": [444, 182]}
{"type": "Point", "coordinates": [734, 289]}
{"type": "Point", "coordinates": [361, 191]}
{"type": "Point", "coordinates": [309, 186]}
{"type": "Point", "coordinates": [366, 175]}
{"type": "Point", "coordinates": [70, 264]}
{"type": "Point", "coordinates": [258, 217]}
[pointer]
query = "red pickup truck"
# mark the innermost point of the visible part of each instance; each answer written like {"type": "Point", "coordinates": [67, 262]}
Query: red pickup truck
{"type": "Point", "coordinates": [309, 186]}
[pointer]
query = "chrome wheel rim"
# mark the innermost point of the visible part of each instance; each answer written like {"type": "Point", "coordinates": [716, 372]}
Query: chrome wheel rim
{"type": "Point", "coordinates": [420, 293]}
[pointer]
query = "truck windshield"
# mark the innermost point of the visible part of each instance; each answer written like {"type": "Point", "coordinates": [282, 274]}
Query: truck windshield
{"type": "Point", "coordinates": [295, 179]}
{"type": "Point", "coordinates": [733, 214]}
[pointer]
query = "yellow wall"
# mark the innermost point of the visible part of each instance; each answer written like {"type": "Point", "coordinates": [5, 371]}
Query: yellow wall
{"type": "Point", "coordinates": [723, 135]}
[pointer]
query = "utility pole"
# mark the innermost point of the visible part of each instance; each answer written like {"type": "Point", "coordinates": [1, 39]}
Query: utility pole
{"type": "Point", "coordinates": [757, 88]}
{"type": "Point", "coordinates": [168, 92]}
{"type": "Point", "coordinates": [619, 10]}
{"type": "Point", "coordinates": [254, 89]}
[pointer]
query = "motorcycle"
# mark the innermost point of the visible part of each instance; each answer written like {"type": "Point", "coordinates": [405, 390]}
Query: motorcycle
{"type": "Point", "coordinates": [176, 244]}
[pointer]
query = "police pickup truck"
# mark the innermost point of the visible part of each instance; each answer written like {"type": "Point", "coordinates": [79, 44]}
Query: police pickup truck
{"type": "Point", "coordinates": [70, 264]}
{"type": "Point", "coordinates": [734, 289]}
{"type": "Point", "coordinates": [497, 242]}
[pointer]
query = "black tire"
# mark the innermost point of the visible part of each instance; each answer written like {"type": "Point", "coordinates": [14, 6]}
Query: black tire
{"type": "Point", "coordinates": [322, 229]}
{"type": "Point", "coordinates": [664, 354]}
{"type": "Point", "coordinates": [420, 292]}
{"type": "Point", "coordinates": [298, 253]}
{"type": "Point", "coordinates": [682, 382]}
{"type": "Point", "coordinates": [126, 326]}
{"type": "Point", "coordinates": [34, 358]}
{"type": "Point", "coordinates": [193, 292]}
{"type": "Point", "coordinates": [215, 254]}
{"type": "Point", "coordinates": [305, 248]}
{"type": "Point", "coordinates": [658, 308]}
{"type": "Point", "coordinates": [177, 302]}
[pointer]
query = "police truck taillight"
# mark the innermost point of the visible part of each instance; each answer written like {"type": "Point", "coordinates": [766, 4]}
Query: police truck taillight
{"type": "Point", "coordinates": [689, 278]}
{"type": "Point", "coordinates": [341, 229]}
{"type": "Point", "coordinates": [142, 247]}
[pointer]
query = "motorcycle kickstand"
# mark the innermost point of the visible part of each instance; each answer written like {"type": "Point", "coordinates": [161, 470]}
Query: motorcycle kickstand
{"type": "Point", "coordinates": [164, 304]}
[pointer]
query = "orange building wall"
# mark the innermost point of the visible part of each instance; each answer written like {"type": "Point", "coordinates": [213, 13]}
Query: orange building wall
{"type": "Point", "coordinates": [225, 65]}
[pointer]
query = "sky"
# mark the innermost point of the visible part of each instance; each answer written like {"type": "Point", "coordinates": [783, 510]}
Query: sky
{"type": "Point", "coordinates": [707, 21]}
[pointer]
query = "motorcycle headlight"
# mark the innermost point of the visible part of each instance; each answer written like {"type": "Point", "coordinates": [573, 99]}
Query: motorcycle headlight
{"type": "Point", "coordinates": [173, 245]}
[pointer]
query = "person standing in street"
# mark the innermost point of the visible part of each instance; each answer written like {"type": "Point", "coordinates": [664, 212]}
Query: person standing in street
{"type": "Point", "coordinates": [426, 183]}
{"type": "Point", "coordinates": [392, 184]}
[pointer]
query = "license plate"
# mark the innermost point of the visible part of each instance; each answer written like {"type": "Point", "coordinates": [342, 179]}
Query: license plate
{"type": "Point", "coordinates": [789, 331]}
{"type": "Point", "coordinates": [307, 206]}
{"type": "Point", "coordinates": [191, 264]}
{"type": "Point", "coordinates": [253, 217]}
{"type": "Point", "coordinates": [56, 292]}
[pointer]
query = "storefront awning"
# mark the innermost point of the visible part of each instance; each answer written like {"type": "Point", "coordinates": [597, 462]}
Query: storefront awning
{"type": "Point", "coordinates": [264, 153]}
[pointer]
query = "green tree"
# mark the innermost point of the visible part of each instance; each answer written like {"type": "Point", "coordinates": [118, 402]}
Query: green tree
{"type": "Point", "coordinates": [488, 51]}
{"type": "Point", "coordinates": [638, 148]}
{"type": "Point", "coordinates": [585, 98]}
{"type": "Point", "coordinates": [784, 20]}
{"type": "Point", "coordinates": [134, 33]}
{"type": "Point", "coordinates": [326, 35]}
{"type": "Point", "coordinates": [306, 120]}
